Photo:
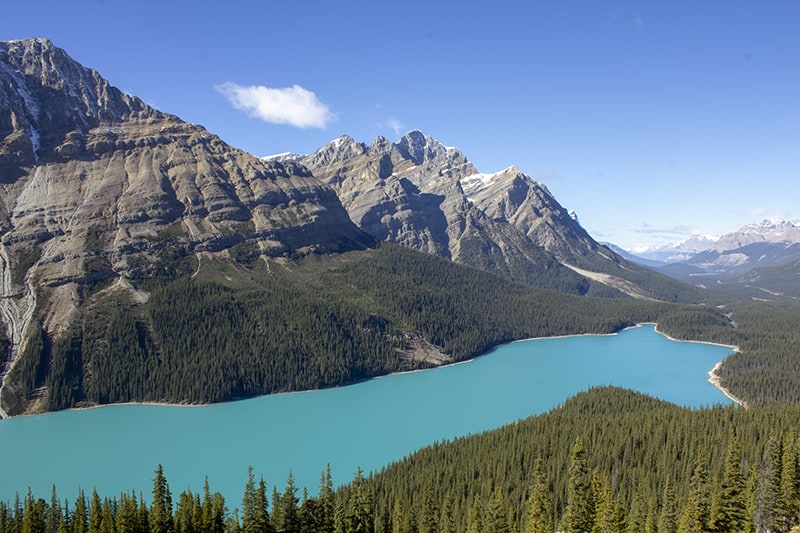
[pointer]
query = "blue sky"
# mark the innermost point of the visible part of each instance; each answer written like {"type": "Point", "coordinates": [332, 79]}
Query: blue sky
{"type": "Point", "coordinates": [652, 120]}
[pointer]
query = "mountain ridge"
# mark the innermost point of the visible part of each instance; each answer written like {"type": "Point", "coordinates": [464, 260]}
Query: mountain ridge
{"type": "Point", "coordinates": [417, 192]}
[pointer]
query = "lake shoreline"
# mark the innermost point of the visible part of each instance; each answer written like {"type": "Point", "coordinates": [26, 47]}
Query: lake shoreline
{"type": "Point", "coordinates": [713, 376]}
{"type": "Point", "coordinates": [714, 379]}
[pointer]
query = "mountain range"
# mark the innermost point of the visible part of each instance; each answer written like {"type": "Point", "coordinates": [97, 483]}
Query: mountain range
{"type": "Point", "coordinates": [762, 256]}
{"type": "Point", "coordinates": [121, 225]}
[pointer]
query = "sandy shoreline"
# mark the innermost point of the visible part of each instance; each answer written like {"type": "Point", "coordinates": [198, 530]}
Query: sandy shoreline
{"type": "Point", "coordinates": [715, 380]}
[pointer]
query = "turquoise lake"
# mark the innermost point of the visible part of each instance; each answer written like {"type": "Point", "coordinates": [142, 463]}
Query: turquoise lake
{"type": "Point", "coordinates": [370, 424]}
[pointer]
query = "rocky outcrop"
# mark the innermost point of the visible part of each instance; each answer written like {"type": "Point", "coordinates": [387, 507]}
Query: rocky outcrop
{"type": "Point", "coordinates": [96, 185]}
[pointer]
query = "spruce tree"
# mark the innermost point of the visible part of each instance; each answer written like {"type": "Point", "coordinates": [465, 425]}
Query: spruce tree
{"type": "Point", "coordinates": [697, 508]}
{"type": "Point", "coordinates": [429, 512]}
{"type": "Point", "coordinates": [288, 505]}
{"type": "Point", "coordinates": [160, 518]}
{"type": "Point", "coordinates": [327, 501]}
{"type": "Point", "coordinates": [579, 516]}
{"type": "Point", "coordinates": [475, 519]}
{"type": "Point", "coordinates": [361, 514]}
{"type": "Point", "coordinates": [772, 507]}
{"type": "Point", "coordinates": [447, 522]}
{"type": "Point", "coordinates": [54, 516]}
{"type": "Point", "coordinates": [668, 519]}
{"type": "Point", "coordinates": [496, 518]}
{"type": "Point", "coordinates": [80, 516]}
{"type": "Point", "coordinates": [732, 506]}
{"type": "Point", "coordinates": [255, 514]}
{"type": "Point", "coordinates": [538, 504]}
{"type": "Point", "coordinates": [790, 479]}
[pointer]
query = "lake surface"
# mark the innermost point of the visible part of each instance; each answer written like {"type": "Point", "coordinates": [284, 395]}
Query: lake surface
{"type": "Point", "coordinates": [370, 424]}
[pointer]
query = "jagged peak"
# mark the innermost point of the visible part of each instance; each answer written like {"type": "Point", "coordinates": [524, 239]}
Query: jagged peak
{"type": "Point", "coordinates": [380, 144]}
{"type": "Point", "coordinates": [770, 225]}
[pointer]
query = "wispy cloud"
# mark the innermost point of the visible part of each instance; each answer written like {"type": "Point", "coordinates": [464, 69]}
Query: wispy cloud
{"type": "Point", "coordinates": [294, 105]}
{"type": "Point", "coordinates": [396, 126]}
{"type": "Point", "coordinates": [671, 232]}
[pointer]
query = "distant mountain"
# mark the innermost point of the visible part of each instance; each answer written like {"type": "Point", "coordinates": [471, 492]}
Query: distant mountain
{"type": "Point", "coordinates": [761, 256]}
{"type": "Point", "coordinates": [632, 257]}
{"type": "Point", "coordinates": [678, 252]}
{"type": "Point", "coordinates": [429, 197]}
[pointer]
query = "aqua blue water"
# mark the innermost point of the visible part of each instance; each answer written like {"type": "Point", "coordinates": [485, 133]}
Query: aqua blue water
{"type": "Point", "coordinates": [369, 424]}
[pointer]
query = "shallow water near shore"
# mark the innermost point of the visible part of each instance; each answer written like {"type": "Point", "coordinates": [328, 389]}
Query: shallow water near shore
{"type": "Point", "coordinates": [116, 449]}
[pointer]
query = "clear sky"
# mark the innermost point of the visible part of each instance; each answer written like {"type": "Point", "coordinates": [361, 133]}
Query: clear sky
{"type": "Point", "coordinates": [652, 120]}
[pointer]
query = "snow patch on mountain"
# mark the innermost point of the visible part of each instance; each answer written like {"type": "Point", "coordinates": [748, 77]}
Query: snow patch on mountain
{"type": "Point", "coordinates": [476, 182]}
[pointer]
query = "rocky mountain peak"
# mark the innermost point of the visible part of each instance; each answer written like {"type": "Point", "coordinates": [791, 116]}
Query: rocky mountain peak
{"type": "Point", "coordinates": [48, 101]}
{"type": "Point", "coordinates": [422, 149]}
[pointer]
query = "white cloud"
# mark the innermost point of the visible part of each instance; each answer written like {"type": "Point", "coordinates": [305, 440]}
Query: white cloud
{"type": "Point", "coordinates": [395, 124]}
{"type": "Point", "coordinates": [294, 105]}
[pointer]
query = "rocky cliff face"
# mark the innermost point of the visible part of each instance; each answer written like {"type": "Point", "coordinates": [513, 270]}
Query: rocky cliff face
{"type": "Point", "coordinates": [421, 194]}
{"type": "Point", "coordinates": [96, 185]}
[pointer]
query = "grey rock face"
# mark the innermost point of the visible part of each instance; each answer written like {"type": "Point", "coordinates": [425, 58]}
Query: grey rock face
{"type": "Point", "coordinates": [421, 194]}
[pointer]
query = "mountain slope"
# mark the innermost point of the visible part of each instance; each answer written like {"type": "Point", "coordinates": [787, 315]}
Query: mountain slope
{"type": "Point", "coordinates": [421, 194]}
{"type": "Point", "coordinates": [96, 186]}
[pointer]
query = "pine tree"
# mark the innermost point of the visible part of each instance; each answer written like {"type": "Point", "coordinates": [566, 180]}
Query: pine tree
{"type": "Point", "coordinates": [255, 513]}
{"type": "Point", "coordinates": [160, 518]}
{"type": "Point", "coordinates": [400, 521]}
{"type": "Point", "coordinates": [732, 506]}
{"type": "Point", "coordinates": [95, 513]}
{"type": "Point", "coordinates": [33, 515]}
{"type": "Point", "coordinates": [277, 509]}
{"type": "Point", "coordinates": [496, 519]}
{"type": "Point", "coordinates": [447, 522]}
{"type": "Point", "coordinates": [429, 512]}
{"type": "Point", "coordinates": [54, 516]}
{"type": "Point", "coordinates": [696, 510]}
{"type": "Point", "coordinates": [360, 516]}
{"type": "Point", "coordinates": [308, 513]}
{"type": "Point", "coordinates": [475, 516]}
{"type": "Point", "coordinates": [288, 504]}
{"type": "Point", "coordinates": [327, 501]}
{"type": "Point", "coordinates": [668, 519]}
{"type": "Point", "coordinates": [772, 508]}
{"type": "Point", "coordinates": [144, 514]}
{"type": "Point", "coordinates": [608, 516]}
{"type": "Point", "coordinates": [578, 516]}
{"type": "Point", "coordinates": [107, 522]}
{"type": "Point", "coordinates": [650, 520]}
{"type": "Point", "coordinates": [127, 516]}
{"type": "Point", "coordinates": [80, 516]}
{"type": "Point", "coordinates": [790, 479]}
{"type": "Point", "coordinates": [538, 504]}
